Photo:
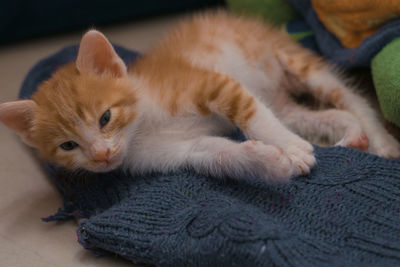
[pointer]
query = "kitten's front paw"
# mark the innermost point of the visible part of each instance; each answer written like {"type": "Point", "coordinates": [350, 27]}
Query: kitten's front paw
{"type": "Point", "coordinates": [278, 164]}
{"type": "Point", "coordinates": [267, 161]}
{"type": "Point", "coordinates": [302, 157]}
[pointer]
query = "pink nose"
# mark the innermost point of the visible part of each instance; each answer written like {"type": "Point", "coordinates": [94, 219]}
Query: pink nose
{"type": "Point", "coordinates": [102, 155]}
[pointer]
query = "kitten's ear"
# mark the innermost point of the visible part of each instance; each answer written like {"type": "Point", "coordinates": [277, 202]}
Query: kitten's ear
{"type": "Point", "coordinates": [18, 116]}
{"type": "Point", "coordinates": [96, 56]}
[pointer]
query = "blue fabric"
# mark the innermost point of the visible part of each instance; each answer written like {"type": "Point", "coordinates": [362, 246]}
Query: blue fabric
{"type": "Point", "coordinates": [332, 49]}
{"type": "Point", "coordinates": [346, 212]}
{"type": "Point", "coordinates": [299, 25]}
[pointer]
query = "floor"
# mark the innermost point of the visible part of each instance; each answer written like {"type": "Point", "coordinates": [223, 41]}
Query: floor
{"type": "Point", "coordinates": [26, 194]}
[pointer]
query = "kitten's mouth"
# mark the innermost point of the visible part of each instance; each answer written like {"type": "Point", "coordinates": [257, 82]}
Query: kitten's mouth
{"type": "Point", "coordinates": [111, 165]}
{"type": "Point", "coordinates": [106, 166]}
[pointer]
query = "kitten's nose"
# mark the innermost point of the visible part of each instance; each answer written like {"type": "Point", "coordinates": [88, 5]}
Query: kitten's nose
{"type": "Point", "coordinates": [102, 155]}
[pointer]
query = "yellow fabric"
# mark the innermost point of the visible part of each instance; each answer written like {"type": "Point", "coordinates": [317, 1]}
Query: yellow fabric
{"type": "Point", "coordinates": [353, 20]}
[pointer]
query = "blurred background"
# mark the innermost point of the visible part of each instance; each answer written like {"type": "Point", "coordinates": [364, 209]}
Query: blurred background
{"type": "Point", "coordinates": [21, 19]}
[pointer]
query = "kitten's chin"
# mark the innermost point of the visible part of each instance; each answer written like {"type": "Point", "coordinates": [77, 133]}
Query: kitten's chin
{"type": "Point", "coordinates": [104, 167]}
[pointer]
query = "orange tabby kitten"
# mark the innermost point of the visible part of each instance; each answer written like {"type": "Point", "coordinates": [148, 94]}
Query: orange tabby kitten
{"type": "Point", "coordinates": [210, 75]}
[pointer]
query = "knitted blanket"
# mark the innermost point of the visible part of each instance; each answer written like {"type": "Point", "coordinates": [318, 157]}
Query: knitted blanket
{"type": "Point", "coordinates": [346, 212]}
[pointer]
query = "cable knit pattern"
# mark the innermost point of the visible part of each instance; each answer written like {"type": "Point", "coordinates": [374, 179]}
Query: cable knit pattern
{"type": "Point", "coordinates": [346, 212]}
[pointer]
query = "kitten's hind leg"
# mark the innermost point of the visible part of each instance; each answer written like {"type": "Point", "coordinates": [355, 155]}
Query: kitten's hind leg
{"type": "Point", "coordinates": [337, 126]}
{"type": "Point", "coordinates": [324, 84]}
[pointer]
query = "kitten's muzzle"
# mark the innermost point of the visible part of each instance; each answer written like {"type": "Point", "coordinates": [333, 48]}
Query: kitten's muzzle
{"type": "Point", "coordinates": [102, 155]}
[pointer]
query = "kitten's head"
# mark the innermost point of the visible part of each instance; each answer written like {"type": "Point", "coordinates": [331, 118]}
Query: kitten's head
{"type": "Point", "coordinates": [81, 117]}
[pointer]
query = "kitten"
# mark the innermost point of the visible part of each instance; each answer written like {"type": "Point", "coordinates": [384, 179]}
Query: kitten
{"type": "Point", "coordinates": [210, 75]}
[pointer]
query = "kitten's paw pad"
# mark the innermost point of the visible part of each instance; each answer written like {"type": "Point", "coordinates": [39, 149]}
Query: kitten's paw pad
{"type": "Point", "coordinates": [356, 140]}
{"type": "Point", "coordinates": [360, 142]}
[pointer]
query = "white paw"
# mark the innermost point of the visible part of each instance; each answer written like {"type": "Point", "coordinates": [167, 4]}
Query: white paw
{"type": "Point", "coordinates": [301, 153]}
{"type": "Point", "coordinates": [385, 146]}
{"type": "Point", "coordinates": [278, 164]}
{"type": "Point", "coordinates": [267, 161]}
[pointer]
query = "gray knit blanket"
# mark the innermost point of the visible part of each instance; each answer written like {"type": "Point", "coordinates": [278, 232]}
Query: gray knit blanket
{"type": "Point", "coordinates": [346, 212]}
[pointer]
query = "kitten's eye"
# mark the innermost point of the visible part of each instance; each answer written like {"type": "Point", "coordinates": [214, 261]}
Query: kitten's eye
{"type": "Point", "coordinates": [105, 118]}
{"type": "Point", "coordinates": [68, 145]}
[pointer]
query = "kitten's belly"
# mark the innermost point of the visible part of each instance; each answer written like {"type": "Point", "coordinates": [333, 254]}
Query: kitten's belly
{"type": "Point", "coordinates": [260, 77]}
{"type": "Point", "coordinates": [198, 125]}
